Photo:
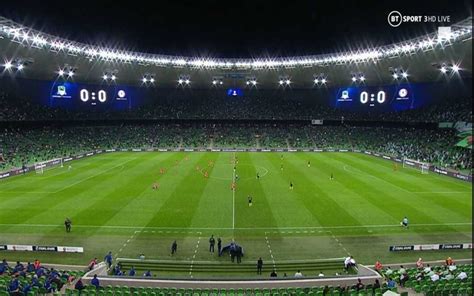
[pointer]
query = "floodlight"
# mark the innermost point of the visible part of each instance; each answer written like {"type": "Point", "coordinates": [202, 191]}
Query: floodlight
{"type": "Point", "coordinates": [187, 81]}
{"type": "Point", "coordinates": [105, 77]}
{"type": "Point", "coordinates": [323, 81]}
{"type": "Point", "coordinates": [280, 82]}
{"type": "Point", "coordinates": [443, 70]}
{"type": "Point", "coordinates": [61, 73]}
{"type": "Point", "coordinates": [113, 77]}
{"type": "Point", "coordinates": [316, 80]}
{"type": "Point", "coordinates": [70, 73]}
{"type": "Point", "coordinates": [144, 79]}
{"type": "Point", "coordinates": [354, 79]}
{"type": "Point", "coordinates": [395, 76]}
{"type": "Point", "coordinates": [362, 78]}
{"type": "Point", "coordinates": [288, 81]}
{"type": "Point", "coordinates": [214, 82]}
{"type": "Point", "coordinates": [8, 65]}
{"type": "Point", "coordinates": [455, 68]}
{"type": "Point", "coordinates": [404, 74]}
{"type": "Point", "coordinates": [20, 67]}
{"type": "Point", "coordinates": [152, 80]}
{"type": "Point", "coordinates": [180, 81]}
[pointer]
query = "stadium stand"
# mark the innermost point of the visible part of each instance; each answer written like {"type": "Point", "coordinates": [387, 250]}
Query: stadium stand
{"type": "Point", "coordinates": [30, 145]}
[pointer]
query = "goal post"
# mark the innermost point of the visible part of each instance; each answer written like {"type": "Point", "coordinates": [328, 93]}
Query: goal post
{"type": "Point", "coordinates": [40, 167]}
{"type": "Point", "coordinates": [423, 167]}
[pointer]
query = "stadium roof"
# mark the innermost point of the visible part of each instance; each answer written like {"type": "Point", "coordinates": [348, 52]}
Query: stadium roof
{"type": "Point", "coordinates": [43, 55]}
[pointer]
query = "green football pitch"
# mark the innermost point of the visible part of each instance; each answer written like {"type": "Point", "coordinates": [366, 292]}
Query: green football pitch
{"type": "Point", "coordinates": [112, 205]}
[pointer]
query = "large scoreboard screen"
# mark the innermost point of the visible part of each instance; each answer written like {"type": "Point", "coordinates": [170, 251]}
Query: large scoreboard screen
{"type": "Point", "coordinates": [74, 95]}
{"type": "Point", "coordinates": [381, 98]}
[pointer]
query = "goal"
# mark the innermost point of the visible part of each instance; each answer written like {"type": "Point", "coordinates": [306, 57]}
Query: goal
{"type": "Point", "coordinates": [423, 167]}
{"type": "Point", "coordinates": [40, 167]}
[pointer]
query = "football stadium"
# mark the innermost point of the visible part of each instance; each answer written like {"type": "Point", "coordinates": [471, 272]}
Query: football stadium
{"type": "Point", "coordinates": [245, 148]}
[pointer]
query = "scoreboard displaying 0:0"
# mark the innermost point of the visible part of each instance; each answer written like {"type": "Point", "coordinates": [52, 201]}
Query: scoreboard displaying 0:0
{"type": "Point", "coordinates": [85, 95]}
{"type": "Point", "coordinates": [74, 95]}
{"type": "Point", "coordinates": [386, 98]}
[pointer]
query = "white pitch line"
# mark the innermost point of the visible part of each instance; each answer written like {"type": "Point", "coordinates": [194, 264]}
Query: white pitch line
{"type": "Point", "coordinates": [237, 228]}
{"type": "Point", "coordinates": [194, 256]}
{"type": "Point", "coordinates": [339, 243]}
{"type": "Point", "coordinates": [375, 177]}
{"type": "Point", "coordinates": [92, 176]}
{"type": "Point", "coordinates": [233, 195]}
{"type": "Point", "coordinates": [270, 251]}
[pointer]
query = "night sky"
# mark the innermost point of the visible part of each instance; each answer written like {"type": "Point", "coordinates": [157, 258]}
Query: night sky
{"type": "Point", "coordinates": [231, 28]}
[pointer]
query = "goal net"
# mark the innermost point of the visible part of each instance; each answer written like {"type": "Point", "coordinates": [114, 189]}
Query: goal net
{"type": "Point", "coordinates": [423, 167]}
{"type": "Point", "coordinates": [40, 167]}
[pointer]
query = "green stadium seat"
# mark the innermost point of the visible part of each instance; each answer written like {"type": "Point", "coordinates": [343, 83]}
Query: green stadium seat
{"type": "Point", "coordinates": [418, 288]}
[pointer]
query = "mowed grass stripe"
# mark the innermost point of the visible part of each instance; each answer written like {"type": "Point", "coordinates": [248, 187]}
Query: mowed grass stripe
{"type": "Point", "coordinates": [179, 208]}
{"type": "Point", "coordinates": [32, 181]}
{"type": "Point", "coordinates": [407, 179]}
{"type": "Point", "coordinates": [145, 205]}
{"type": "Point", "coordinates": [287, 210]}
{"type": "Point", "coordinates": [422, 184]}
{"type": "Point", "coordinates": [374, 193]}
{"type": "Point", "coordinates": [43, 204]}
{"type": "Point", "coordinates": [384, 176]}
{"type": "Point", "coordinates": [315, 199]}
{"type": "Point", "coordinates": [96, 208]}
{"type": "Point", "coordinates": [343, 188]}
{"type": "Point", "coordinates": [261, 213]}
{"type": "Point", "coordinates": [397, 201]}
{"type": "Point", "coordinates": [215, 208]}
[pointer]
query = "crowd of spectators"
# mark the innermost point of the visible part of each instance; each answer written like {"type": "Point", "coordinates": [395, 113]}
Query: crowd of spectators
{"type": "Point", "coordinates": [446, 272]}
{"type": "Point", "coordinates": [268, 107]}
{"type": "Point", "coordinates": [20, 146]}
{"type": "Point", "coordinates": [24, 278]}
